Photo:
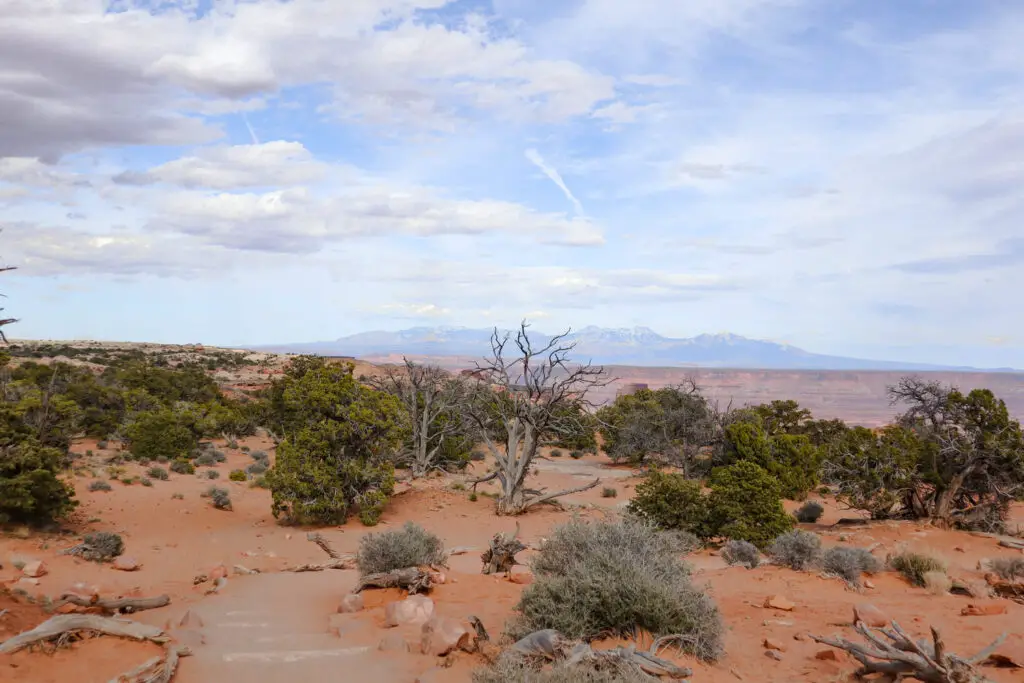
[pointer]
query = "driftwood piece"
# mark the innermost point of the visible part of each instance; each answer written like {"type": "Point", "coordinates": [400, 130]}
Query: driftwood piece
{"type": "Point", "coordinates": [155, 670]}
{"type": "Point", "coordinates": [1015, 545]}
{"type": "Point", "coordinates": [413, 579]}
{"type": "Point", "coordinates": [898, 655]}
{"type": "Point", "coordinates": [550, 645]}
{"type": "Point", "coordinates": [500, 557]}
{"type": "Point", "coordinates": [1012, 590]}
{"type": "Point", "coordinates": [113, 605]}
{"type": "Point", "coordinates": [62, 624]}
{"type": "Point", "coordinates": [337, 561]}
{"type": "Point", "coordinates": [481, 633]}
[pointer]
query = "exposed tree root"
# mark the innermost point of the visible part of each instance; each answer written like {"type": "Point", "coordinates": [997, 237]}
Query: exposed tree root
{"type": "Point", "coordinates": [550, 497]}
{"type": "Point", "coordinates": [550, 645]}
{"type": "Point", "coordinates": [413, 579]}
{"type": "Point", "coordinates": [113, 605]}
{"type": "Point", "coordinates": [64, 624]}
{"type": "Point", "coordinates": [324, 545]}
{"type": "Point", "coordinates": [501, 556]}
{"type": "Point", "coordinates": [155, 670]}
{"type": "Point", "coordinates": [904, 657]}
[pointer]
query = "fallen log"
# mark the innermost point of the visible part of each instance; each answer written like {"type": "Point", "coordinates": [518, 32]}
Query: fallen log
{"type": "Point", "coordinates": [337, 561]}
{"type": "Point", "coordinates": [113, 605]}
{"type": "Point", "coordinates": [904, 657]}
{"type": "Point", "coordinates": [413, 579]}
{"type": "Point", "coordinates": [62, 624]}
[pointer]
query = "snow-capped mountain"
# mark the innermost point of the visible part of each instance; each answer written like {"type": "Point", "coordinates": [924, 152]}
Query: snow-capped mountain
{"type": "Point", "coordinates": [616, 346]}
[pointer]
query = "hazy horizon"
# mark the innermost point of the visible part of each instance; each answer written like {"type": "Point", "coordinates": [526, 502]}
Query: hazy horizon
{"type": "Point", "coordinates": [841, 177]}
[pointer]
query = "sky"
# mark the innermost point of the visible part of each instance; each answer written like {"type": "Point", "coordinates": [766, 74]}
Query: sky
{"type": "Point", "coordinates": [843, 175]}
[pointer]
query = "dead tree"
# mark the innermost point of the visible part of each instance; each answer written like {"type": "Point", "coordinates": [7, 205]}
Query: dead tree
{"type": "Point", "coordinates": [522, 397]}
{"type": "Point", "coordinates": [6, 321]}
{"type": "Point", "coordinates": [900, 656]}
{"type": "Point", "coordinates": [500, 557]}
{"type": "Point", "coordinates": [432, 398]}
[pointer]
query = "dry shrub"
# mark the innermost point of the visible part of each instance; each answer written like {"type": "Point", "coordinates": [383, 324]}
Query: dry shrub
{"type": "Point", "coordinates": [513, 668]}
{"type": "Point", "coordinates": [937, 582]}
{"type": "Point", "coordinates": [799, 550]}
{"type": "Point", "coordinates": [221, 498]}
{"type": "Point", "coordinates": [601, 578]}
{"type": "Point", "coordinates": [913, 566]}
{"type": "Point", "coordinates": [410, 546]}
{"type": "Point", "coordinates": [849, 563]}
{"type": "Point", "coordinates": [742, 553]}
{"type": "Point", "coordinates": [1008, 568]}
{"type": "Point", "coordinates": [102, 546]}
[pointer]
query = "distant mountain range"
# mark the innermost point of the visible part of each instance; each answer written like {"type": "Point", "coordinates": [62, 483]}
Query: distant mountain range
{"type": "Point", "coordinates": [637, 346]}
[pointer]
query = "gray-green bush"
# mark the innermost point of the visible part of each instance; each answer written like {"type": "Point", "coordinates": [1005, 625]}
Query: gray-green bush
{"type": "Point", "coordinates": [220, 498]}
{"type": "Point", "coordinates": [742, 553]}
{"type": "Point", "coordinates": [157, 473]}
{"type": "Point", "coordinates": [913, 566]}
{"type": "Point", "coordinates": [849, 563]}
{"type": "Point", "coordinates": [410, 546]}
{"type": "Point", "coordinates": [99, 485]}
{"type": "Point", "coordinates": [1008, 568]}
{"type": "Point", "coordinates": [513, 668]}
{"type": "Point", "coordinates": [799, 550]}
{"type": "Point", "coordinates": [602, 578]}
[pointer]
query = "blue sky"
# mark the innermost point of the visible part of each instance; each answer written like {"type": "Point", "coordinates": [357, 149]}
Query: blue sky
{"type": "Point", "coordinates": [842, 175]}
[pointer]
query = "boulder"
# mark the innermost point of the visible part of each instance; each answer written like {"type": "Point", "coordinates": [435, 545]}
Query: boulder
{"type": "Point", "coordinates": [779, 602]}
{"type": "Point", "coordinates": [353, 602]}
{"type": "Point", "coordinates": [415, 609]}
{"type": "Point", "coordinates": [126, 564]}
{"type": "Point", "coordinates": [442, 635]}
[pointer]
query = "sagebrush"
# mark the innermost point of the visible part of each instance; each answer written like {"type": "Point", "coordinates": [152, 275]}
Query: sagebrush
{"type": "Point", "coordinates": [742, 553]}
{"type": "Point", "coordinates": [513, 668]}
{"type": "Point", "coordinates": [913, 566]}
{"type": "Point", "coordinates": [410, 546]}
{"type": "Point", "coordinates": [799, 550]}
{"type": "Point", "coordinates": [850, 563]}
{"type": "Point", "coordinates": [600, 578]}
{"type": "Point", "coordinates": [1008, 568]}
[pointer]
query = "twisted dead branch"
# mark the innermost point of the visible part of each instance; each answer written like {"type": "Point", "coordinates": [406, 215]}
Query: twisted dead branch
{"type": "Point", "coordinates": [413, 579]}
{"type": "Point", "coordinates": [113, 605]}
{"type": "Point", "coordinates": [500, 557]}
{"type": "Point", "coordinates": [337, 561]}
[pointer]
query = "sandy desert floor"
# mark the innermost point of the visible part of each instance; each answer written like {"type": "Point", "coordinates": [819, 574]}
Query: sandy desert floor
{"type": "Point", "coordinates": [281, 626]}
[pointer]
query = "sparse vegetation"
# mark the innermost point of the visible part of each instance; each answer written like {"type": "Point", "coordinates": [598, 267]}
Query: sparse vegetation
{"type": "Point", "coordinates": [609, 492]}
{"type": "Point", "coordinates": [205, 459]}
{"type": "Point", "coordinates": [99, 485]}
{"type": "Point", "coordinates": [913, 566]}
{"type": "Point", "coordinates": [157, 473]}
{"type": "Point", "coordinates": [100, 546]}
{"type": "Point", "coordinates": [182, 467]}
{"type": "Point", "coordinates": [576, 454]}
{"type": "Point", "coordinates": [211, 474]}
{"type": "Point", "coordinates": [797, 549]}
{"type": "Point", "coordinates": [742, 553]}
{"type": "Point", "coordinates": [1008, 568]}
{"type": "Point", "coordinates": [238, 475]}
{"type": "Point", "coordinates": [410, 546]}
{"type": "Point", "coordinates": [221, 498]}
{"type": "Point", "coordinates": [671, 501]}
{"type": "Point", "coordinates": [257, 468]}
{"type": "Point", "coordinates": [810, 512]}
{"type": "Point", "coordinates": [556, 453]}
{"type": "Point", "coordinates": [745, 504]}
{"type": "Point", "coordinates": [850, 563]}
{"type": "Point", "coordinates": [602, 578]}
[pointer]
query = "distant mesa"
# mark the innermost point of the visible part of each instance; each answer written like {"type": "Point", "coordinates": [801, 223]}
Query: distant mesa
{"type": "Point", "coordinates": [638, 346]}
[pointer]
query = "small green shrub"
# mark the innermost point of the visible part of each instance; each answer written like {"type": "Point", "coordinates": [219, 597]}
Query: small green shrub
{"type": "Point", "coordinates": [178, 496]}
{"type": "Point", "coordinates": [88, 453]}
{"type": "Point", "coordinates": [257, 468]}
{"type": "Point", "coordinates": [238, 475]}
{"type": "Point", "coordinates": [799, 550]}
{"type": "Point", "coordinates": [609, 492]}
{"type": "Point", "coordinates": [913, 566]}
{"type": "Point", "coordinates": [158, 473]}
{"type": "Point", "coordinates": [259, 455]}
{"type": "Point", "coordinates": [606, 578]}
{"type": "Point", "coordinates": [99, 485]}
{"type": "Point", "coordinates": [556, 453]}
{"type": "Point", "coordinates": [745, 504]}
{"type": "Point", "coordinates": [183, 467]}
{"type": "Point", "coordinates": [259, 483]}
{"type": "Point", "coordinates": [671, 501]}
{"type": "Point", "coordinates": [211, 474]}
{"type": "Point", "coordinates": [245, 449]}
{"type": "Point", "coordinates": [576, 454]}
{"type": "Point", "coordinates": [1008, 568]}
{"type": "Point", "coordinates": [742, 553]}
{"type": "Point", "coordinates": [477, 456]}
{"type": "Point", "coordinates": [473, 497]}
{"type": "Point", "coordinates": [102, 445]}
{"type": "Point", "coordinates": [129, 481]}
{"type": "Point", "coordinates": [849, 563]}
{"type": "Point", "coordinates": [232, 444]}
{"type": "Point", "coordinates": [205, 459]}
{"type": "Point", "coordinates": [163, 459]}
{"type": "Point", "coordinates": [146, 481]}
{"type": "Point", "coordinates": [810, 512]}
{"type": "Point", "coordinates": [410, 546]}
{"type": "Point", "coordinates": [220, 498]}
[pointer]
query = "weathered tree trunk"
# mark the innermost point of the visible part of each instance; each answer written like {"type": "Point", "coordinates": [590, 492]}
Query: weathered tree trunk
{"type": "Point", "coordinates": [413, 579]}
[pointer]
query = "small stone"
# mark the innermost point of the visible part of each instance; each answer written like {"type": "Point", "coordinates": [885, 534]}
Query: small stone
{"type": "Point", "coordinates": [959, 549]}
{"type": "Point", "coordinates": [773, 654]}
{"type": "Point", "coordinates": [243, 571]}
{"type": "Point", "coordinates": [986, 610]}
{"type": "Point", "coordinates": [393, 642]}
{"type": "Point", "coordinates": [779, 602]}
{"type": "Point", "coordinates": [441, 635]}
{"type": "Point", "coordinates": [827, 655]}
{"type": "Point", "coordinates": [353, 602]}
{"type": "Point", "coordinates": [28, 581]}
{"type": "Point", "coordinates": [868, 583]}
{"type": "Point", "coordinates": [415, 609]}
{"type": "Point", "coordinates": [126, 564]}
{"type": "Point", "coordinates": [870, 615]}
{"type": "Point", "coordinates": [770, 644]}
{"type": "Point", "coordinates": [35, 569]}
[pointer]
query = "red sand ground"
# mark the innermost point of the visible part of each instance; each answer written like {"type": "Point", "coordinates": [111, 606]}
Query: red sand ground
{"type": "Point", "coordinates": [176, 539]}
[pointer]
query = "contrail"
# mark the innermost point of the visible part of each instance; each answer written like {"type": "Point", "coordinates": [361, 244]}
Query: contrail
{"type": "Point", "coordinates": [255, 140]}
{"type": "Point", "coordinates": [538, 161]}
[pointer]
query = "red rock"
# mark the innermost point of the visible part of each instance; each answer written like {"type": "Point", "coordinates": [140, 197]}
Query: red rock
{"type": "Point", "coordinates": [1010, 654]}
{"type": "Point", "coordinates": [353, 602]}
{"type": "Point", "coordinates": [828, 655]}
{"type": "Point", "coordinates": [218, 572]}
{"type": "Point", "coordinates": [521, 575]}
{"type": "Point", "coordinates": [441, 635]}
{"type": "Point", "coordinates": [770, 644]}
{"type": "Point", "coordinates": [393, 642]}
{"type": "Point", "coordinates": [437, 577]}
{"type": "Point", "coordinates": [415, 609]}
{"type": "Point", "coordinates": [35, 569]}
{"type": "Point", "coordinates": [870, 615]}
{"type": "Point", "coordinates": [990, 609]}
{"type": "Point", "coordinates": [126, 564]}
{"type": "Point", "coordinates": [779, 602]}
